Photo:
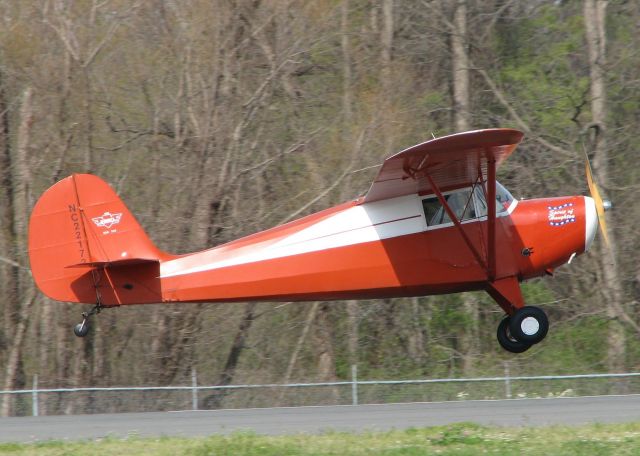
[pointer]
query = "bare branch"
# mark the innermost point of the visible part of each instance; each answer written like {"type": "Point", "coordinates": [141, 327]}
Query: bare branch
{"type": "Point", "coordinates": [328, 190]}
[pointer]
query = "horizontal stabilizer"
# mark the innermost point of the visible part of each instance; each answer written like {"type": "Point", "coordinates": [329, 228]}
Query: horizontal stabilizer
{"type": "Point", "coordinates": [112, 264]}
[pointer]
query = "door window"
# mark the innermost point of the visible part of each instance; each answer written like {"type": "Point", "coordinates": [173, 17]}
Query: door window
{"type": "Point", "coordinates": [461, 204]}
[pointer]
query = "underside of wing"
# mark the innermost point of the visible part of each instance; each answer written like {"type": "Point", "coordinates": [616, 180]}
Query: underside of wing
{"type": "Point", "coordinates": [451, 162]}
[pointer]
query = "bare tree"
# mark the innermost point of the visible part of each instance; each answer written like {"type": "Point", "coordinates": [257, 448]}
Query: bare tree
{"type": "Point", "coordinates": [611, 289]}
{"type": "Point", "coordinates": [25, 294]}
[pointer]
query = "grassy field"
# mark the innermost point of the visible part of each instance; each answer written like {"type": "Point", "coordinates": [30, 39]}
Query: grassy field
{"type": "Point", "coordinates": [459, 439]}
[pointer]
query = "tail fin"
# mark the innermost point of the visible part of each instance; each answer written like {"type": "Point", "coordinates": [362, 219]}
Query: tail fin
{"type": "Point", "coordinates": [85, 246]}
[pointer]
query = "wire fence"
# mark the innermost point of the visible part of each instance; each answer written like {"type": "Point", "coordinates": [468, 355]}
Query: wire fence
{"type": "Point", "coordinates": [57, 401]}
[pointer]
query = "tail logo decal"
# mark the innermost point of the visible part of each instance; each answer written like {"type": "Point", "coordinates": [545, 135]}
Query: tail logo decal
{"type": "Point", "coordinates": [107, 220]}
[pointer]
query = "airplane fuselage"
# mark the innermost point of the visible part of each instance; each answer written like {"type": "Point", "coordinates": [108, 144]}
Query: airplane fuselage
{"type": "Point", "coordinates": [380, 249]}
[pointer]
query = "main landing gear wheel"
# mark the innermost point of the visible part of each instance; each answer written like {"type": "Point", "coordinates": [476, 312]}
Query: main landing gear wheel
{"type": "Point", "coordinates": [507, 341]}
{"type": "Point", "coordinates": [529, 325]}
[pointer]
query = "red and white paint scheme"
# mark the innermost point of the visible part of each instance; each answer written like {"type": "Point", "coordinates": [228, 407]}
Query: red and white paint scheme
{"type": "Point", "coordinates": [434, 221]}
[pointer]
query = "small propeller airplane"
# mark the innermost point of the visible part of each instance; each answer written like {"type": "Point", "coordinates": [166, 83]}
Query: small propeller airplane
{"type": "Point", "coordinates": [435, 221]}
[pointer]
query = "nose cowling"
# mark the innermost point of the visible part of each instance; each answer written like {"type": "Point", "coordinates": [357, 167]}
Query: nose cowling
{"type": "Point", "coordinates": [591, 222]}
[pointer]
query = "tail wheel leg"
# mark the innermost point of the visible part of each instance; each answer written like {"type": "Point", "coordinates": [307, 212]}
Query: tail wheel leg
{"type": "Point", "coordinates": [82, 329]}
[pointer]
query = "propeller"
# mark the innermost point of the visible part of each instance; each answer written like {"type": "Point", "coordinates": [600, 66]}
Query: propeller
{"type": "Point", "coordinates": [601, 205]}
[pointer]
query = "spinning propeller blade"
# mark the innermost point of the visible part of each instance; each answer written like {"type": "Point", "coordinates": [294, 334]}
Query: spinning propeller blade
{"type": "Point", "coordinates": [601, 205]}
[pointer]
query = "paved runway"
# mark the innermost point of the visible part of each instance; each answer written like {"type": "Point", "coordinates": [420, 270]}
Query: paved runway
{"type": "Point", "coordinates": [515, 412]}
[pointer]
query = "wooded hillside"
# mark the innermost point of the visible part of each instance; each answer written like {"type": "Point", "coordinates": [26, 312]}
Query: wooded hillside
{"type": "Point", "coordinates": [216, 119]}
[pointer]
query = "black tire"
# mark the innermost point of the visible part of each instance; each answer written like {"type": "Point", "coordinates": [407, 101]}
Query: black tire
{"type": "Point", "coordinates": [81, 329]}
{"type": "Point", "coordinates": [507, 341]}
{"type": "Point", "coordinates": [529, 325]}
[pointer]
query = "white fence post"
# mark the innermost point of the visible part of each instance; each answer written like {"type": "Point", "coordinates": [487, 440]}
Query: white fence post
{"type": "Point", "coordinates": [354, 384]}
{"type": "Point", "coordinates": [34, 396]}
{"type": "Point", "coordinates": [507, 381]}
{"type": "Point", "coordinates": [194, 390]}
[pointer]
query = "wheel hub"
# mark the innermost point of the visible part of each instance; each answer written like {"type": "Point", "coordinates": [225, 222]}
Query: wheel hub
{"type": "Point", "coordinates": [530, 326]}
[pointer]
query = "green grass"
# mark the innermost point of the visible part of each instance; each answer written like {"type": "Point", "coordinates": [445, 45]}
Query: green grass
{"type": "Point", "coordinates": [458, 439]}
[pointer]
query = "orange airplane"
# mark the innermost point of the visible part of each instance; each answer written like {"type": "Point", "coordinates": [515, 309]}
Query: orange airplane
{"type": "Point", "coordinates": [434, 221]}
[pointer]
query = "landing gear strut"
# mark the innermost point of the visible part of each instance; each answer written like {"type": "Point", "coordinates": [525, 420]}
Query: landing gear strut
{"type": "Point", "coordinates": [82, 329]}
{"type": "Point", "coordinates": [527, 326]}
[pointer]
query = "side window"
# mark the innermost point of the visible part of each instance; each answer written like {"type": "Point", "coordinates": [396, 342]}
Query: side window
{"type": "Point", "coordinates": [461, 204]}
{"type": "Point", "coordinates": [433, 211]}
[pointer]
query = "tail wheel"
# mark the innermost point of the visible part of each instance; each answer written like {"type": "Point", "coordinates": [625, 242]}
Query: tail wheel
{"type": "Point", "coordinates": [507, 341]}
{"type": "Point", "coordinates": [81, 329]}
{"type": "Point", "coordinates": [529, 325]}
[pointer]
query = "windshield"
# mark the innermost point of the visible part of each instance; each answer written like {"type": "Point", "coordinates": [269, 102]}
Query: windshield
{"type": "Point", "coordinates": [503, 200]}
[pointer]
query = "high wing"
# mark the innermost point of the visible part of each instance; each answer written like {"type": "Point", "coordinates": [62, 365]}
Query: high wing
{"type": "Point", "coordinates": [451, 162]}
{"type": "Point", "coordinates": [447, 163]}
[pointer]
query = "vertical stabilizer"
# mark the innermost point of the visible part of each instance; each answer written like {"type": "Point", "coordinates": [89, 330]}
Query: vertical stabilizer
{"type": "Point", "coordinates": [83, 241]}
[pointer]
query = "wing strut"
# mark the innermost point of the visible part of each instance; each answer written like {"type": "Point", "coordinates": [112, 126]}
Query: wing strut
{"type": "Point", "coordinates": [456, 222]}
{"type": "Point", "coordinates": [491, 216]}
{"type": "Point", "coordinates": [490, 265]}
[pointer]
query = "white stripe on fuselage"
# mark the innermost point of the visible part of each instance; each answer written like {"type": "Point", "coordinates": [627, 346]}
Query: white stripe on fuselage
{"type": "Point", "coordinates": [355, 225]}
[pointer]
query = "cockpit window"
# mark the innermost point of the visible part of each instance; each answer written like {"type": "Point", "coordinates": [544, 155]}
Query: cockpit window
{"type": "Point", "coordinates": [461, 203]}
{"type": "Point", "coordinates": [503, 200]}
{"type": "Point", "coordinates": [466, 204]}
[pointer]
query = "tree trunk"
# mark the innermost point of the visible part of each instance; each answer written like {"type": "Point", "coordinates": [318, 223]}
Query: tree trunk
{"type": "Point", "coordinates": [24, 292]}
{"type": "Point", "coordinates": [325, 351]}
{"type": "Point", "coordinates": [347, 101]}
{"type": "Point", "coordinates": [460, 67]}
{"type": "Point", "coordinates": [387, 40]}
{"type": "Point", "coordinates": [15, 355]}
{"type": "Point", "coordinates": [470, 336]}
{"type": "Point", "coordinates": [416, 340]}
{"type": "Point", "coordinates": [387, 73]}
{"type": "Point", "coordinates": [611, 288]}
{"type": "Point", "coordinates": [303, 335]}
{"type": "Point", "coordinates": [226, 377]}
{"type": "Point", "coordinates": [461, 111]}
{"type": "Point", "coordinates": [21, 178]}
{"type": "Point", "coordinates": [89, 153]}
{"type": "Point", "coordinates": [353, 316]}
{"type": "Point", "coordinates": [311, 315]}
{"type": "Point", "coordinates": [8, 271]}
{"type": "Point", "coordinates": [347, 97]}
